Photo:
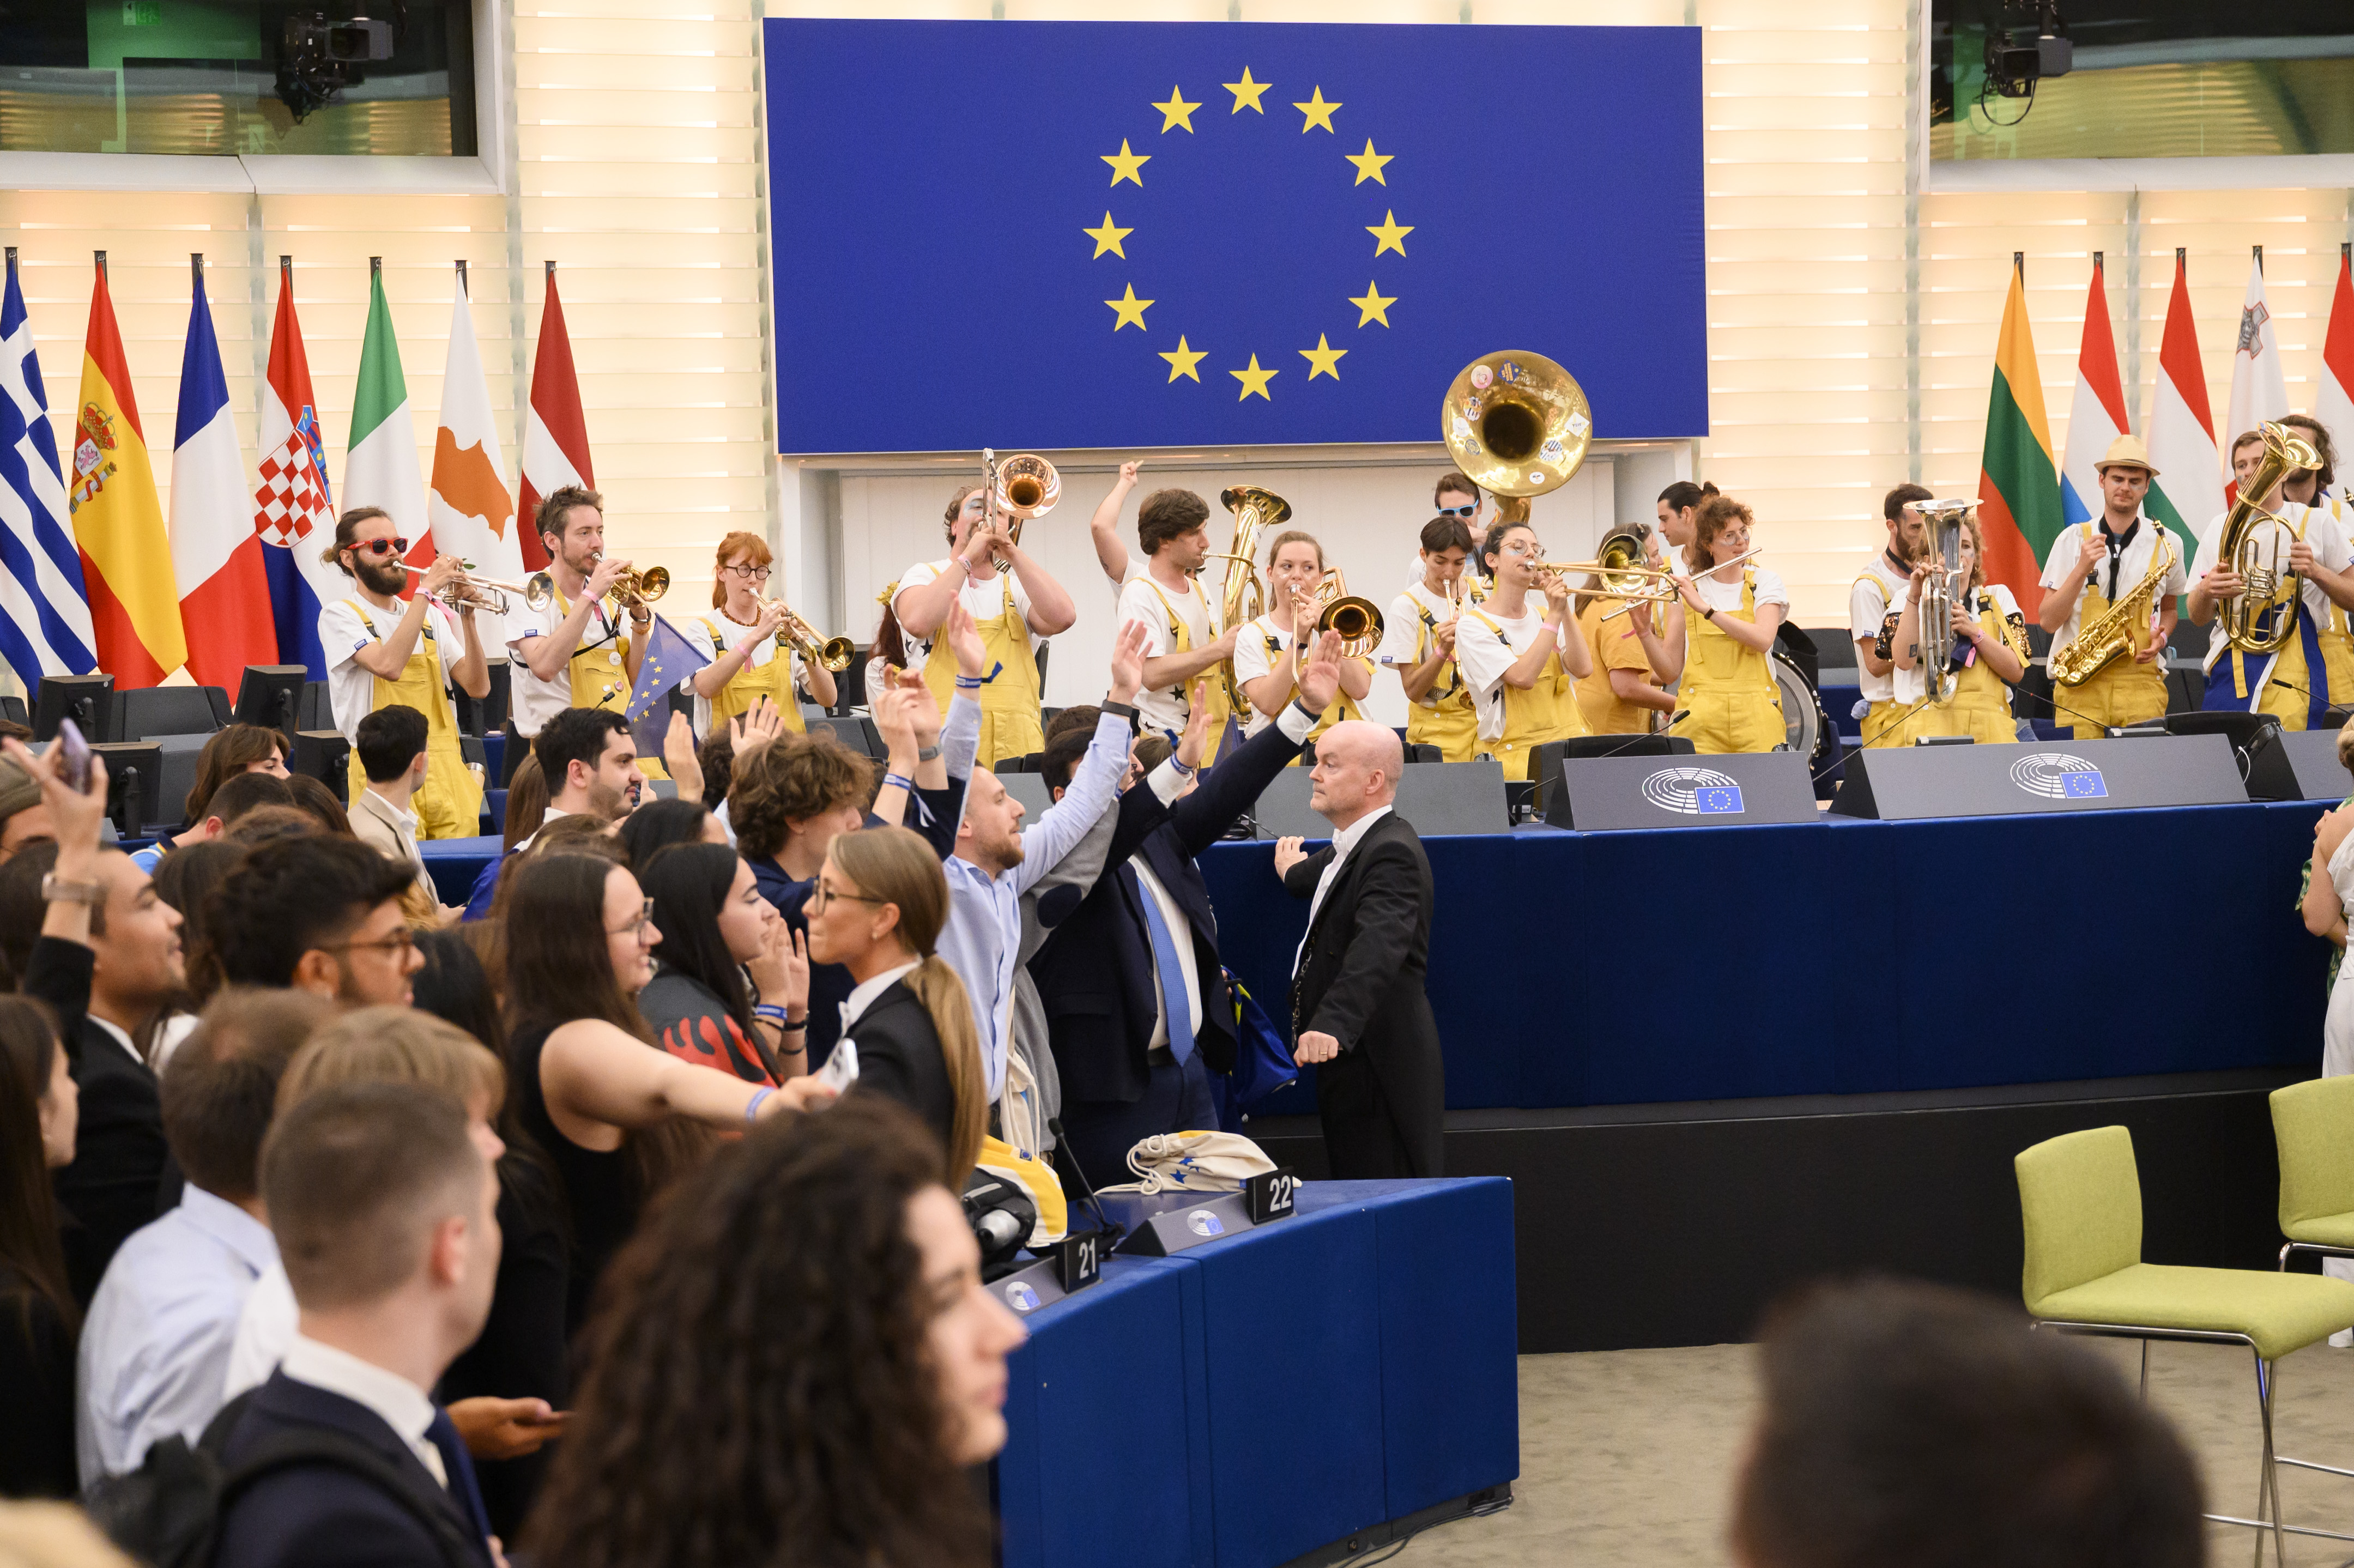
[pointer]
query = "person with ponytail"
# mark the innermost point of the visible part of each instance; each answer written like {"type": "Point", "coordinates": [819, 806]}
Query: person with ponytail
{"type": "Point", "coordinates": [880, 901]}
{"type": "Point", "coordinates": [1729, 701]}
{"type": "Point", "coordinates": [1679, 508]}
{"type": "Point", "coordinates": [1520, 652]}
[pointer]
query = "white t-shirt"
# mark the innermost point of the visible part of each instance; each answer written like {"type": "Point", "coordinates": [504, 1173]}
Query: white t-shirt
{"type": "Point", "coordinates": [2130, 566]}
{"type": "Point", "coordinates": [1723, 595]}
{"type": "Point", "coordinates": [607, 630]}
{"type": "Point", "coordinates": [1875, 593]}
{"type": "Point", "coordinates": [351, 687]}
{"type": "Point", "coordinates": [2330, 545]}
{"type": "Point", "coordinates": [1483, 656]}
{"type": "Point", "coordinates": [713, 636]}
{"type": "Point", "coordinates": [1402, 635]}
{"type": "Point", "coordinates": [983, 601]}
{"type": "Point", "coordinates": [1254, 658]}
{"type": "Point", "coordinates": [1149, 600]}
{"type": "Point", "coordinates": [1911, 684]}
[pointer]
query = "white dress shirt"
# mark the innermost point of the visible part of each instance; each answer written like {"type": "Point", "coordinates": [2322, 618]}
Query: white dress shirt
{"type": "Point", "coordinates": [862, 994]}
{"type": "Point", "coordinates": [404, 1406]}
{"type": "Point", "coordinates": [1343, 842]}
{"type": "Point", "coordinates": [264, 1329]}
{"type": "Point", "coordinates": [155, 1347]}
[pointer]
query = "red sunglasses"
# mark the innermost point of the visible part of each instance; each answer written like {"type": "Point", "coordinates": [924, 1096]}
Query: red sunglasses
{"type": "Point", "coordinates": [392, 547]}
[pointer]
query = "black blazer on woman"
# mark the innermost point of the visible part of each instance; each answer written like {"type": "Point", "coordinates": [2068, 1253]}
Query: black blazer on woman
{"type": "Point", "coordinates": [899, 1056]}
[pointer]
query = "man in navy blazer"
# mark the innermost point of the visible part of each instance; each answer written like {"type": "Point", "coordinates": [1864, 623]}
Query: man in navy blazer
{"type": "Point", "coordinates": [384, 1207]}
{"type": "Point", "coordinates": [1130, 1066]}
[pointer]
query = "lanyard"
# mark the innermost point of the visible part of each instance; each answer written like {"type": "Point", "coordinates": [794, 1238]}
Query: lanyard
{"type": "Point", "coordinates": [2118, 544]}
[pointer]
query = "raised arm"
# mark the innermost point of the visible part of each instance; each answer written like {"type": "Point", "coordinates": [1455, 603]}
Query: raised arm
{"type": "Point", "coordinates": [1064, 823]}
{"type": "Point", "coordinates": [594, 1075]}
{"type": "Point", "coordinates": [1111, 550]}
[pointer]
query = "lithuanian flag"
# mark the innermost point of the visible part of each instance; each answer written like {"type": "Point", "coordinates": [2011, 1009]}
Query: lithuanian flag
{"type": "Point", "coordinates": [2019, 484]}
{"type": "Point", "coordinates": [126, 557]}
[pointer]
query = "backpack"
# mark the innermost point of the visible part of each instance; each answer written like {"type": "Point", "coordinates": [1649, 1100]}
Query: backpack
{"type": "Point", "coordinates": [167, 1513]}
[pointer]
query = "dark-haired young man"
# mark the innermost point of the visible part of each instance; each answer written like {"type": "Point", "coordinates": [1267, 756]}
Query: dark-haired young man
{"type": "Point", "coordinates": [1173, 529]}
{"type": "Point", "coordinates": [590, 762]}
{"type": "Point", "coordinates": [576, 651]}
{"type": "Point", "coordinates": [321, 914]}
{"type": "Point", "coordinates": [1878, 589]}
{"type": "Point", "coordinates": [391, 750]}
{"type": "Point", "coordinates": [155, 1346]}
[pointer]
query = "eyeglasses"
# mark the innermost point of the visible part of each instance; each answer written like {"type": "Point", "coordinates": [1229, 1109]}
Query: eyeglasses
{"type": "Point", "coordinates": [1459, 511]}
{"type": "Point", "coordinates": [395, 546]}
{"type": "Point", "coordinates": [636, 927]}
{"type": "Point", "coordinates": [750, 574]}
{"type": "Point", "coordinates": [399, 944]}
{"type": "Point", "coordinates": [821, 895]}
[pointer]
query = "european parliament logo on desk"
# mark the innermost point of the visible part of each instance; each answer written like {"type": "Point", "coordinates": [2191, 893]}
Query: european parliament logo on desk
{"type": "Point", "coordinates": [2057, 776]}
{"type": "Point", "coordinates": [1694, 791]}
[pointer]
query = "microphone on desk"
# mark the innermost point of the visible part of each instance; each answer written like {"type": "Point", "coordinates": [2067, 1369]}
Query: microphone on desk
{"type": "Point", "coordinates": [1087, 1189]}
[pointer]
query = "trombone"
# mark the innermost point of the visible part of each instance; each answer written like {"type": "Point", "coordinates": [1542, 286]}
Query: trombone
{"type": "Point", "coordinates": [1019, 488]}
{"type": "Point", "coordinates": [834, 652]}
{"type": "Point", "coordinates": [1663, 592]}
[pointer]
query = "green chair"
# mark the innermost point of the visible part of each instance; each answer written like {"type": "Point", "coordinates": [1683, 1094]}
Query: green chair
{"type": "Point", "coordinates": [2313, 1123]}
{"type": "Point", "coordinates": [2080, 1199]}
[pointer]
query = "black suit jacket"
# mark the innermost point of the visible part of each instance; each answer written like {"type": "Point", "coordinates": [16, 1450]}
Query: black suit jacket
{"type": "Point", "coordinates": [317, 1516]}
{"type": "Point", "coordinates": [111, 1187]}
{"type": "Point", "coordinates": [1360, 976]}
{"type": "Point", "coordinates": [1095, 973]}
{"type": "Point", "coordinates": [899, 1056]}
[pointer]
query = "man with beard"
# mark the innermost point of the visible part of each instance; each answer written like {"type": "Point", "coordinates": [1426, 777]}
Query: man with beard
{"type": "Point", "coordinates": [574, 651]}
{"type": "Point", "coordinates": [381, 651]}
{"type": "Point", "coordinates": [1879, 593]}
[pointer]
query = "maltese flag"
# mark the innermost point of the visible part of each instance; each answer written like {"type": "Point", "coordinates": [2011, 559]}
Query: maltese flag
{"type": "Point", "coordinates": [2259, 388]}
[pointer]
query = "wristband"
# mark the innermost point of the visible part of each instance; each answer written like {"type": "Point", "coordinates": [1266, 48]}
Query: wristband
{"type": "Point", "coordinates": [901, 780]}
{"type": "Point", "coordinates": [930, 754]}
{"type": "Point", "coordinates": [967, 683]}
{"type": "Point", "coordinates": [1127, 711]}
{"type": "Point", "coordinates": [771, 1012]}
{"type": "Point", "coordinates": [759, 1096]}
{"type": "Point", "coordinates": [1179, 764]}
{"type": "Point", "coordinates": [1709, 614]}
{"type": "Point", "coordinates": [55, 889]}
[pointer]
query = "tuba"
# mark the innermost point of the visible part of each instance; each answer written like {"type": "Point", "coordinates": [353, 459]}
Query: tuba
{"type": "Point", "coordinates": [2240, 551]}
{"type": "Point", "coordinates": [1020, 487]}
{"type": "Point", "coordinates": [2122, 629]}
{"type": "Point", "coordinates": [1243, 598]}
{"type": "Point", "coordinates": [1358, 620]}
{"type": "Point", "coordinates": [1937, 594]}
{"type": "Point", "coordinates": [1517, 425]}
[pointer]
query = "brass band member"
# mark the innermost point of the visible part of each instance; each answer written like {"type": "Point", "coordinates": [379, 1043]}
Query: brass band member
{"type": "Point", "coordinates": [2292, 685]}
{"type": "Point", "coordinates": [1270, 652]}
{"type": "Point", "coordinates": [749, 660]}
{"type": "Point", "coordinates": [1455, 496]}
{"type": "Point", "coordinates": [1729, 701]}
{"type": "Point", "coordinates": [1623, 694]}
{"type": "Point", "coordinates": [1990, 652]}
{"type": "Point", "coordinates": [1012, 599]}
{"type": "Point", "coordinates": [1679, 509]}
{"type": "Point", "coordinates": [1879, 593]}
{"type": "Point", "coordinates": [1518, 656]}
{"type": "Point", "coordinates": [1420, 642]}
{"type": "Point", "coordinates": [1173, 529]}
{"type": "Point", "coordinates": [2091, 566]}
{"type": "Point", "coordinates": [2318, 487]}
{"type": "Point", "coordinates": [578, 651]}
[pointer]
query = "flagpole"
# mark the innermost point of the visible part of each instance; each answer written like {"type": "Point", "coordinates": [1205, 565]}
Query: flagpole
{"type": "Point", "coordinates": [102, 261]}
{"type": "Point", "coordinates": [461, 276]}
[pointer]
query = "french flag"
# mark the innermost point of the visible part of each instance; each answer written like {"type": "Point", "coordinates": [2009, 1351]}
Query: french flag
{"type": "Point", "coordinates": [216, 555]}
{"type": "Point", "coordinates": [293, 512]}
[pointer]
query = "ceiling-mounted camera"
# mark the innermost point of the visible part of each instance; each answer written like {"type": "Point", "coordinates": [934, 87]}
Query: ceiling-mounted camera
{"type": "Point", "coordinates": [2021, 52]}
{"type": "Point", "coordinates": [318, 59]}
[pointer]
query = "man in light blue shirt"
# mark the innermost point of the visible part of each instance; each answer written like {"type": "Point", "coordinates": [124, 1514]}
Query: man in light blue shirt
{"type": "Point", "coordinates": [155, 1346]}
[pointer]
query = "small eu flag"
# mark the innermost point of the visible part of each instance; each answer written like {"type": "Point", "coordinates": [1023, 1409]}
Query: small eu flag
{"type": "Point", "coordinates": [2086, 786]}
{"type": "Point", "coordinates": [670, 658]}
{"type": "Point", "coordinates": [1717, 800]}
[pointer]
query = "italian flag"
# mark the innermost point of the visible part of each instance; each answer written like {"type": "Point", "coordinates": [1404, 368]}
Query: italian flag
{"type": "Point", "coordinates": [381, 469]}
{"type": "Point", "coordinates": [2019, 484]}
{"type": "Point", "coordinates": [2187, 493]}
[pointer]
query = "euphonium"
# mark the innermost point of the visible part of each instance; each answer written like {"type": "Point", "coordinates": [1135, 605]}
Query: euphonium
{"type": "Point", "coordinates": [1243, 600]}
{"type": "Point", "coordinates": [1517, 425]}
{"type": "Point", "coordinates": [1358, 620]}
{"type": "Point", "coordinates": [2122, 628]}
{"type": "Point", "coordinates": [2239, 551]}
{"type": "Point", "coordinates": [1937, 594]}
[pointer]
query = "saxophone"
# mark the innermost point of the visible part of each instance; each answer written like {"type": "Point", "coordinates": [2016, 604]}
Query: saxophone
{"type": "Point", "coordinates": [2122, 628]}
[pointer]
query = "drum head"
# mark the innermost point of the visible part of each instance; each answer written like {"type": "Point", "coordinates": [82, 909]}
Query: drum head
{"type": "Point", "coordinates": [1802, 716]}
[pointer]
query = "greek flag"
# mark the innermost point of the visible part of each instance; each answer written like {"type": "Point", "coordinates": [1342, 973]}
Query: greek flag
{"type": "Point", "coordinates": [45, 626]}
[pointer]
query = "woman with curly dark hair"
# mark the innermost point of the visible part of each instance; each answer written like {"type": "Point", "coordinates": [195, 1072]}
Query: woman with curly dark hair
{"type": "Point", "coordinates": [796, 1365]}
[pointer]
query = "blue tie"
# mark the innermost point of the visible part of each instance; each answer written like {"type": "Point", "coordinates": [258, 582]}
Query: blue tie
{"type": "Point", "coordinates": [459, 1466]}
{"type": "Point", "coordinates": [1173, 1000]}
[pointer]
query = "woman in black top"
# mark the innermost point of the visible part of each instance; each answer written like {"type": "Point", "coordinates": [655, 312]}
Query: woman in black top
{"type": "Point", "coordinates": [878, 907]}
{"type": "Point", "coordinates": [718, 932]}
{"type": "Point", "coordinates": [38, 1107]}
{"type": "Point", "coordinates": [658, 824]}
{"type": "Point", "coordinates": [618, 1116]}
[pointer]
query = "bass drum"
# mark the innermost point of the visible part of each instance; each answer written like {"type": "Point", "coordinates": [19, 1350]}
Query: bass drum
{"type": "Point", "coordinates": [1807, 731]}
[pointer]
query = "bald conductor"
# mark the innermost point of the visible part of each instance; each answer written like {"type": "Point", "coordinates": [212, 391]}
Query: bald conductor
{"type": "Point", "coordinates": [1359, 1009]}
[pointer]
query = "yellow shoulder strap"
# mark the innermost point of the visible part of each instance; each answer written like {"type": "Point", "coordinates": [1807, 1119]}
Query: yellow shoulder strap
{"type": "Point", "coordinates": [361, 611]}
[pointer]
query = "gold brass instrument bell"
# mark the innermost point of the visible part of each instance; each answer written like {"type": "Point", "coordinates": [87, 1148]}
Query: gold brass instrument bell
{"type": "Point", "coordinates": [1518, 425]}
{"type": "Point", "coordinates": [834, 652]}
{"type": "Point", "coordinates": [1940, 593]}
{"type": "Point", "coordinates": [1243, 600]}
{"type": "Point", "coordinates": [2252, 547]}
{"type": "Point", "coordinates": [1357, 621]}
{"type": "Point", "coordinates": [1019, 488]}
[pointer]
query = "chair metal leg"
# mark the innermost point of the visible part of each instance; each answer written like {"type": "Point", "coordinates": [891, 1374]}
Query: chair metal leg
{"type": "Point", "coordinates": [2145, 1372]}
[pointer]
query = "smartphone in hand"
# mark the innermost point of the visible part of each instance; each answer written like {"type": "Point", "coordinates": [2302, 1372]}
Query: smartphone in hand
{"type": "Point", "coordinates": [841, 1069]}
{"type": "Point", "coordinates": [74, 756]}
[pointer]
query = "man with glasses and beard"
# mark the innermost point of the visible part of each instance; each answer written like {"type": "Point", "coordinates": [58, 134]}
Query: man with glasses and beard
{"type": "Point", "coordinates": [317, 914]}
{"type": "Point", "coordinates": [381, 652]}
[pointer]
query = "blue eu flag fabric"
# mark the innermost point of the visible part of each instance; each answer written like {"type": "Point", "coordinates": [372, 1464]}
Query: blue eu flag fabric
{"type": "Point", "coordinates": [670, 658]}
{"type": "Point", "coordinates": [1058, 235]}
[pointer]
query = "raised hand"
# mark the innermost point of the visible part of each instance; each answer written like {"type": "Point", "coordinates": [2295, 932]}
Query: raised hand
{"type": "Point", "coordinates": [964, 640]}
{"type": "Point", "coordinates": [1288, 853]}
{"type": "Point", "coordinates": [1320, 678]}
{"type": "Point", "coordinates": [678, 756]}
{"type": "Point", "coordinates": [1128, 660]}
{"type": "Point", "coordinates": [895, 720]}
{"type": "Point", "coordinates": [1127, 473]}
{"type": "Point", "coordinates": [1197, 738]}
{"type": "Point", "coordinates": [75, 813]}
{"type": "Point", "coordinates": [755, 727]}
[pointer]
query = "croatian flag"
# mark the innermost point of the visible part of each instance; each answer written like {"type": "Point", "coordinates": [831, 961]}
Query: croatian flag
{"type": "Point", "coordinates": [44, 610]}
{"type": "Point", "coordinates": [216, 554]}
{"type": "Point", "coordinates": [293, 510]}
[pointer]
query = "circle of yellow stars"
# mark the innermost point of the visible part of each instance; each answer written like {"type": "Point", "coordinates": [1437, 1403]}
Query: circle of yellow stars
{"type": "Point", "coordinates": [1316, 114]}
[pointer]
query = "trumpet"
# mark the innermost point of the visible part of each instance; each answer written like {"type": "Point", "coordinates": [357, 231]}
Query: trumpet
{"type": "Point", "coordinates": [1020, 487]}
{"type": "Point", "coordinates": [834, 652]}
{"type": "Point", "coordinates": [1357, 621]}
{"type": "Point", "coordinates": [471, 592]}
{"type": "Point", "coordinates": [631, 586]}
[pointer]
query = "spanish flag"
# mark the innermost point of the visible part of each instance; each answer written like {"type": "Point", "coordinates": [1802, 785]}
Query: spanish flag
{"type": "Point", "coordinates": [126, 558]}
{"type": "Point", "coordinates": [2018, 482]}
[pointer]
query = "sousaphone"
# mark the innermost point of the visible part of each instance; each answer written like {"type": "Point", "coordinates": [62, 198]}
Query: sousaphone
{"type": "Point", "coordinates": [1518, 425]}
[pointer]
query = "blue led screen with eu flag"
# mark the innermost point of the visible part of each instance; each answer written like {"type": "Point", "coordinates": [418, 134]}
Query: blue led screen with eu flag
{"type": "Point", "coordinates": [1031, 235]}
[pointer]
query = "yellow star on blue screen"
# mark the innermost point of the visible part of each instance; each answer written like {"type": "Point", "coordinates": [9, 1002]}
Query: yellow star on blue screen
{"type": "Point", "coordinates": [1183, 361]}
{"type": "Point", "coordinates": [1317, 111]}
{"type": "Point", "coordinates": [1369, 164]}
{"type": "Point", "coordinates": [1246, 92]}
{"type": "Point", "coordinates": [1124, 163]}
{"type": "Point", "coordinates": [1176, 111]}
{"type": "Point", "coordinates": [1372, 306]}
{"type": "Point", "coordinates": [1109, 237]}
{"type": "Point", "coordinates": [1322, 360]}
{"type": "Point", "coordinates": [1255, 380]}
{"type": "Point", "coordinates": [1390, 233]}
{"type": "Point", "coordinates": [1129, 311]}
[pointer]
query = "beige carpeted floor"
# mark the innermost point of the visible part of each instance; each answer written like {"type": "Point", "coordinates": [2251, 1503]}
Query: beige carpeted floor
{"type": "Point", "coordinates": [1627, 1456]}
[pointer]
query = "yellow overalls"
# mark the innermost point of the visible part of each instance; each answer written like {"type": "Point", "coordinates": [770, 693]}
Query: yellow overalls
{"type": "Point", "coordinates": [1009, 725]}
{"type": "Point", "coordinates": [2124, 692]}
{"type": "Point", "coordinates": [1225, 733]}
{"type": "Point", "coordinates": [1443, 716]}
{"type": "Point", "coordinates": [2337, 638]}
{"type": "Point", "coordinates": [1981, 705]}
{"type": "Point", "coordinates": [448, 803]}
{"type": "Point", "coordinates": [1607, 713]}
{"type": "Point", "coordinates": [1546, 711]}
{"type": "Point", "coordinates": [1886, 723]}
{"type": "Point", "coordinates": [1729, 701]}
{"type": "Point", "coordinates": [772, 680]}
{"type": "Point", "coordinates": [599, 671]}
{"type": "Point", "coordinates": [1341, 709]}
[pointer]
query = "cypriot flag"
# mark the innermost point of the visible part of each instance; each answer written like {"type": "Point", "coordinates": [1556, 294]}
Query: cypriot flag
{"type": "Point", "coordinates": [473, 515]}
{"type": "Point", "coordinates": [381, 468]}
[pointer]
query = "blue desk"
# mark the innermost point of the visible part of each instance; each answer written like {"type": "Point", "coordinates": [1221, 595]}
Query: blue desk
{"type": "Point", "coordinates": [1255, 1398]}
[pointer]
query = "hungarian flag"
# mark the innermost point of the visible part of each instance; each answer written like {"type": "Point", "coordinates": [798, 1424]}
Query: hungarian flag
{"type": "Point", "coordinates": [2259, 386]}
{"type": "Point", "coordinates": [2333, 404]}
{"type": "Point", "coordinates": [126, 558]}
{"type": "Point", "coordinates": [2187, 493]}
{"type": "Point", "coordinates": [472, 518]}
{"type": "Point", "coordinates": [2096, 416]}
{"type": "Point", "coordinates": [381, 469]}
{"type": "Point", "coordinates": [555, 441]}
{"type": "Point", "coordinates": [2019, 484]}
{"type": "Point", "coordinates": [216, 554]}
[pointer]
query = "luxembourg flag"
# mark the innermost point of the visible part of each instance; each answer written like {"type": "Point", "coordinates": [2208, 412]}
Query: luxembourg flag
{"type": "Point", "coordinates": [2259, 386]}
{"type": "Point", "coordinates": [294, 510]}
{"type": "Point", "coordinates": [2333, 404]}
{"type": "Point", "coordinates": [215, 553]}
{"type": "Point", "coordinates": [2097, 415]}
